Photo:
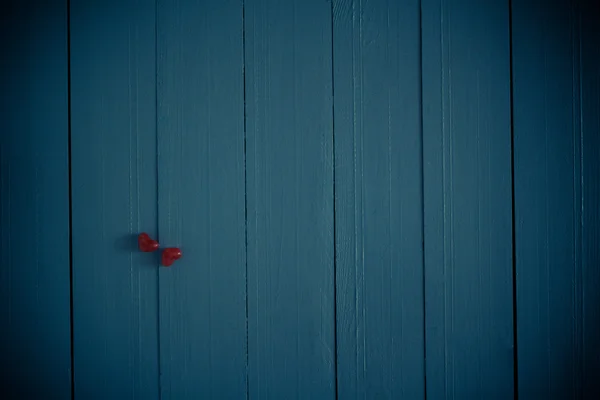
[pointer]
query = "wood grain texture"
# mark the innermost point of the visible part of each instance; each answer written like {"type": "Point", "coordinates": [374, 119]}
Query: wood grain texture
{"type": "Point", "coordinates": [201, 199]}
{"type": "Point", "coordinates": [556, 130]}
{"type": "Point", "coordinates": [379, 231]}
{"type": "Point", "coordinates": [589, 15]}
{"type": "Point", "coordinates": [34, 201]}
{"type": "Point", "coordinates": [290, 199]}
{"type": "Point", "coordinates": [113, 143]}
{"type": "Point", "coordinates": [467, 199]}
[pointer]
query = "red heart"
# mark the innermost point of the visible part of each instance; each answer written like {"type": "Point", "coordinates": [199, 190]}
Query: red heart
{"type": "Point", "coordinates": [169, 256]}
{"type": "Point", "coordinates": [146, 244]}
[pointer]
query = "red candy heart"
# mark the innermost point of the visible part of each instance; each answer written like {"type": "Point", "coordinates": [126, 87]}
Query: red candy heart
{"type": "Point", "coordinates": [169, 256]}
{"type": "Point", "coordinates": [146, 244]}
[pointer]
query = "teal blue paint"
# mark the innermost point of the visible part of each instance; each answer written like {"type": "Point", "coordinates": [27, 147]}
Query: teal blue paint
{"type": "Point", "coordinates": [201, 199]}
{"type": "Point", "coordinates": [467, 199]}
{"type": "Point", "coordinates": [589, 15]}
{"type": "Point", "coordinates": [338, 176]}
{"type": "Point", "coordinates": [289, 163]}
{"type": "Point", "coordinates": [379, 234]}
{"type": "Point", "coordinates": [113, 144]}
{"type": "Point", "coordinates": [35, 355]}
{"type": "Point", "coordinates": [556, 145]}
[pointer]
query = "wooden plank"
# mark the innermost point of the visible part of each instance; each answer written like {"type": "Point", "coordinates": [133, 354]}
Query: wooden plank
{"type": "Point", "coordinates": [290, 199]}
{"type": "Point", "coordinates": [35, 349]}
{"type": "Point", "coordinates": [589, 85]}
{"type": "Point", "coordinates": [379, 231]}
{"type": "Point", "coordinates": [201, 199]}
{"type": "Point", "coordinates": [467, 199]}
{"type": "Point", "coordinates": [113, 145]}
{"type": "Point", "coordinates": [546, 197]}
{"type": "Point", "coordinates": [556, 172]}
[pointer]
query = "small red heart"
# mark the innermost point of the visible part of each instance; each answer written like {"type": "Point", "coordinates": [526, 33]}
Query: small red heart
{"type": "Point", "coordinates": [169, 256]}
{"type": "Point", "coordinates": [146, 244]}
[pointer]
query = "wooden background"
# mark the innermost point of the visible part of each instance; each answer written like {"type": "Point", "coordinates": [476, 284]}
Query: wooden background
{"type": "Point", "coordinates": [374, 199]}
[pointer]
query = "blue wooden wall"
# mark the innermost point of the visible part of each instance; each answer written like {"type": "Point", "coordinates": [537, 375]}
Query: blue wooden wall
{"type": "Point", "coordinates": [35, 339]}
{"type": "Point", "coordinates": [113, 194]}
{"type": "Point", "coordinates": [556, 70]}
{"type": "Point", "coordinates": [374, 199]}
{"type": "Point", "coordinates": [200, 128]}
{"type": "Point", "coordinates": [379, 200]}
{"type": "Point", "coordinates": [467, 199]}
{"type": "Point", "coordinates": [289, 192]}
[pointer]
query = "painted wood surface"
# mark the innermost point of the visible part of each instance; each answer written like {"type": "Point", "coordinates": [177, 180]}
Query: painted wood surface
{"type": "Point", "coordinates": [467, 199]}
{"type": "Point", "coordinates": [556, 149]}
{"type": "Point", "coordinates": [201, 199]}
{"type": "Point", "coordinates": [414, 259]}
{"type": "Point", "coordinates": [589, 15]}
{"type": "Point", "coordinates": [113, 149]}
{"type": "Point", "coordinates": [379, 225]}
{"type": "Point", "coordinates": [35, 354]}
{"type": "Point", "coordinates": [289, 165]}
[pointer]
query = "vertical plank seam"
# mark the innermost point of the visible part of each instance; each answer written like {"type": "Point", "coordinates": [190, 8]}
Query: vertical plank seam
{"type": "Point", "coordinates": [298, 175]}
{"type": "Point", "coordinates": [548, 330]}
{"type": "Point", "coordinates": [513, 203]}
{"type": "Point", "coordinates": [443, 105]}
{"type": "Point", "coordinates": [390, 338]}
{"type": "Point", "coordinates": [576, 370]}
{"type": "Point", "coordinates": [574, 254]}
{"type": "Point", "coordinates": [245, 190]}
{"type": "Point", "coordinates": [131, 349]}
{"type": "Point", "coordinates": [422, 188]}
{"type": "Point", "coordinates": [360, 70]}
{"type": "Point", "coordinates": [333, 164]}
{"type": "Point", "coordinates": [581, 214]}
{"type": "Point", "coordinates": [138, 209]}
{"type": "Point", "coordinates": [157, 221]}
{"type": "Point", "coordinates": [209, 214]}
{"type": "Point", "coordinates": [479, 195]}
{"type": "Point", "coordinates": [70, 185]}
